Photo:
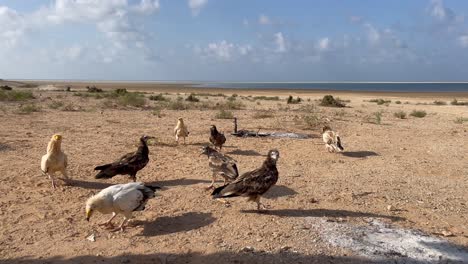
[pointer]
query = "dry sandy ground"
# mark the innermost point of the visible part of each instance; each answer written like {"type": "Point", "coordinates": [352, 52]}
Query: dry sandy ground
{"type": "Point", "coordinates": [417, 166]}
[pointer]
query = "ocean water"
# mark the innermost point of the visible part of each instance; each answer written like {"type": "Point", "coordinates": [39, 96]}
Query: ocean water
{"type": "Point", "coordinates": [346, 86]}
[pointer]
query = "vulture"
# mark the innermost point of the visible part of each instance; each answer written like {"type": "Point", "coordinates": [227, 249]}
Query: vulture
{"type": "Point", "coordinates": [180, 130]}
{"type": "Point", "coordinates": [220, 165]}
{"type": "Point", "coordinates": [217, 138]}
{"type": "Point", "coordinates": [252, 184]}
{"type": "Point", "coordinates": [120, 199]}
{"type": "Point", "coordinates": [128, 164]}
{"type": "Point", "coordinates": [55, 160]}
{"type": "Point", "coordinates": [332, 140]}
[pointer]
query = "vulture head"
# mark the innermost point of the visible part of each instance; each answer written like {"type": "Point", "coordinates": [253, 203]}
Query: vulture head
{"type": "Point", "coordinates": [273, 155]}
{"type": "Point", "coordinates": [207, 150]}
{"type": "Point", "coordinates": [145, 138]}
{"type": "Point", "coordinates": [326, 128]}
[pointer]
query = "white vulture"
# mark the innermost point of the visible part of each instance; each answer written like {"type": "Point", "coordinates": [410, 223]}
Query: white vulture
{"type": "Point", "coordinates": [121, 199]}
{"type": "Point", "coordinates": [331, 139]}
{"type": "Point", "coordinates": [180, 130]}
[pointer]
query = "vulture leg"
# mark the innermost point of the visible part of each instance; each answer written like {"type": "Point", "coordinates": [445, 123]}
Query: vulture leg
{"type": "Point", "coordinates": [65, 175]}
{"type": "Point", "coordinates": [53, 180]}
{"type": "Point", "coordinates": [108, 222]}
{"type": "Point", "coordinates": [122, 226]}
{"type": "Point", "coordinates": [177, 139]}
{"type": "Point", "coordinates": [260, 206]}
{"type": "Point", "coordinates": [133, 177]}
{"type": "Point", "coordinates": [213, 179]}
{"type": "Point", "coordinates": [184, 140]}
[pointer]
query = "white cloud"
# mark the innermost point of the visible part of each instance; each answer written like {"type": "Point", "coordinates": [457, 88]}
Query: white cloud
{"type": "Point", "coordinates": [222, 50]}
{"type": "Point", "coordinates": [245, 22]}
{"type": "Point", "coordinates": [280, 42]}
{"type": "Point", "coordinates": [463, 41]}
{"type": "Point", "coordinates": [264, 20]}
{"type": "Point", "coordinates": [245, 49]}
{"type": "Point", "coordinates": [373, 35]}
{"type": "Point", "coordinates": [196, 6]}
{"type": "Point", "coordinates": [12, 27]}
{"type": "Point", "coordinates": [356, 19]}
{"type": "Point", "coordinates": [147, 6]}
{"type": "Point", "coordinates": [323, 44]}
{"type": "Point", "coordinates": [438, 10]}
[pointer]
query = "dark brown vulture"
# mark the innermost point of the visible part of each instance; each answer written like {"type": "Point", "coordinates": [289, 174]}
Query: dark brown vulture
{"type": "Point", "coordinates": [217, 138]}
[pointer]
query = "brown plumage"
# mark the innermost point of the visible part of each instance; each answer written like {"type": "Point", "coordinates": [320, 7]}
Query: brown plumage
{"type": "Point", "coordinates": [220, 165]}
{"type": "Point", "coordinates": [217, 138]}
{"type": "Point", "coordinates": [55, 160]}
{"type": "Point", "coordinates": [331, 139]}
{"type": "Point", "coordinates": [252, 184]}
{"type": "Point", "coordinates": [128, 164]}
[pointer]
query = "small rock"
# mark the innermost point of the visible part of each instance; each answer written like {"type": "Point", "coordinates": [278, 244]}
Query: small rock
{"type": "Point", "coordinates": [247, 249]}
{"type": "Point", "coordinates": [447, 233]}
{"type": "Point", "coordinates": [285, 248]}
{"type": "Point", "coordinates": [313, 200]}
{"type": "Point", "coordinates": [259, 240]}
{"type": "Point", "coordinates": [390, 208]}
{"type": "Point", "coordinates": [92, 237]}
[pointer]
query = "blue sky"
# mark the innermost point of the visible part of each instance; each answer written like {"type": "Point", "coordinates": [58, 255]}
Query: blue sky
{"type": "Point", "coordinates": [235, 40]}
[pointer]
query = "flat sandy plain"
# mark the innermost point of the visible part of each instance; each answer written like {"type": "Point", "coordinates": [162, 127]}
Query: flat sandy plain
{"type": "Point", "coordinates": [408, 173]}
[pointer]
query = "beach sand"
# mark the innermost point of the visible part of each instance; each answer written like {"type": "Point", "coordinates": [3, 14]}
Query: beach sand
{"type": "Point", "coordinates": [409, 173]}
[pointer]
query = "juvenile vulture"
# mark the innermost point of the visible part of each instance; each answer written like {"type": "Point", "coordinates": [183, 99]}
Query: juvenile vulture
{"type": "Point", "coordinates": [221, 165]}
{"type": "Point", "coordinates": [252, 184]}
{"type": "Point", "coordinates": [180, 130]}
{"type": "Point", "coordinates": [217, 138]}
{"type": "Point", "coordinates": [120, 199]}
{"type": "Point", "coordinates": [332, 140]}
{"type": "Point", "coordinates": [128, 164]}
{"type": "Point", "coordinates": [55, 160]}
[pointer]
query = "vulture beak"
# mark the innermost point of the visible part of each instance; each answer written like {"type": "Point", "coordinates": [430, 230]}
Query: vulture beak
{"type": "Point", "coordinates": [88, 214]}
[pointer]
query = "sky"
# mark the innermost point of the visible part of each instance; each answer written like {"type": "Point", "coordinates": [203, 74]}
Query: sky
{"type": "Point", "coordinates": [235, 40]}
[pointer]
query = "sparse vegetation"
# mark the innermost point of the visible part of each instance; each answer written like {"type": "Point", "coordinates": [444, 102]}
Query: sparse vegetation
{"type": "Point", "coordinates": [375, 117]}
{"type": "Point", "coordinates": [5, 88]}
{"type": "Point", "coordinates": [15, 95]}
{"type": "Point", "coordinates": [456, 102]}
{"type": "Point", "coordinates": [158, 97]}
{"type": "Point", "coordinates": [93, 89]}
{"type": "Point", "coordinates": [397, 102]}
{"type": "Point", "coordinates": [192, 98]}
{"type": "Point", "coordinates": [71, 108]}
{"type": "Point", "coordinates": [268, 98]}
{"type": "Point", "coordinates": [131, 99]}
{"type": "Point", "coordinates": [436, 102]}
{"type": "Point", "coordinates": [121, 91]}
{"type": "Point", "coordinates": [28, 109]}
{"type": "Point", "coordinates": [380, 101]}
{"type": "Point", "coordinates": [55, 104]}
{"type": "Point", "coordinates": [330, 101]}
{"type": "Point", "coordinates": [210, 94]}
{"type": "Point", "coordinates": [308, 121]}
{"type": "Point", "coordinates": [400, 114]}
{"type": "Point", "coordinates": [291, 100]}
{"type": "Point", "coordinates": [418, 113]}
{"type": "Point", "coordinates": [262, 114]}
{"type": "Point", "coordinates": [461, 120]}
{"type": "Point", "coordinates": [223, 114]}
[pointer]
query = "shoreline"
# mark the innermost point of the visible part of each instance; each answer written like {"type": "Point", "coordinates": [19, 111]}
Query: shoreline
{"type": "Point", "coordinates": [183, 87]}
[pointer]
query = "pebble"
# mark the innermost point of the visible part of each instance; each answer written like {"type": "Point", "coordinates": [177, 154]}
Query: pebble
{"type": "Point", "coordinates": [91, 238]}
{"type": "Point", "coordinates": [247, 249]}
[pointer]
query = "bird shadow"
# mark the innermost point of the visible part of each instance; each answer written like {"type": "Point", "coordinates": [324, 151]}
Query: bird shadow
{"type": "Point", "coordinates": [174, 224]}
{"type": "Point", "coordinates": [359, 154]}
{"type": "Point", "coordinates": [178, 182]}
{"type": "Point", "coordinates": [89, 184]}
{"type": "Point", "coordinates": [244, 152]}
{"type": "Point", "coordinates": [320, 213]}
{"type": "Point", "coordinates": [279, 191]}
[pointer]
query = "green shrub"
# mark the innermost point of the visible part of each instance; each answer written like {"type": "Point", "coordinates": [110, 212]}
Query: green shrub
{"type": "Point", "coordinates": [177, 105]}
{"type": "Point", "coordinates": [223, 114]}
{"type": "Point", "coordinates": [456, 102]}
{"type": "Point", "coordinates": [93, 89]}
{"type": "Point", "coordinates": [15, 95]}
{"type": "Point", "coordinates": [131, 99]}
{"type": "Point", "coordinates": [158, 97]}
{"type": "Point", "coordinates": [329, 101]}
{"type": "Point", "coordinates": [418, 113]}
{"type": "Point", "coordinates": [291, 100]}
{"type": "Point", "coordinates": [28, 108]}
{"type": "Point", "coordinates": [231, 98]}
{"type": "Point", "coordinates": [400, 114]}
{"type": "Point", "coordinates": [268, 98]}
{"type": "Point", "coordinates": [461, 120]}
{"type": "Point", "coordinates": [55, 105]}
{"type": "Point", "coordinates": [121, 91]}
{"type": "Point", "coordinates": [440, 102]}
{"type": "Point", "coordinates": [5, 88]}
{"type": "Point", "coordinates": [397, 102]}
{"type": "Point", "coordinates": [192, 98]}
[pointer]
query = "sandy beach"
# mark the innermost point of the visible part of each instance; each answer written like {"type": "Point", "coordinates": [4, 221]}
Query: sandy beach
{"type": "Point", "coordinates": [409, 173]}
